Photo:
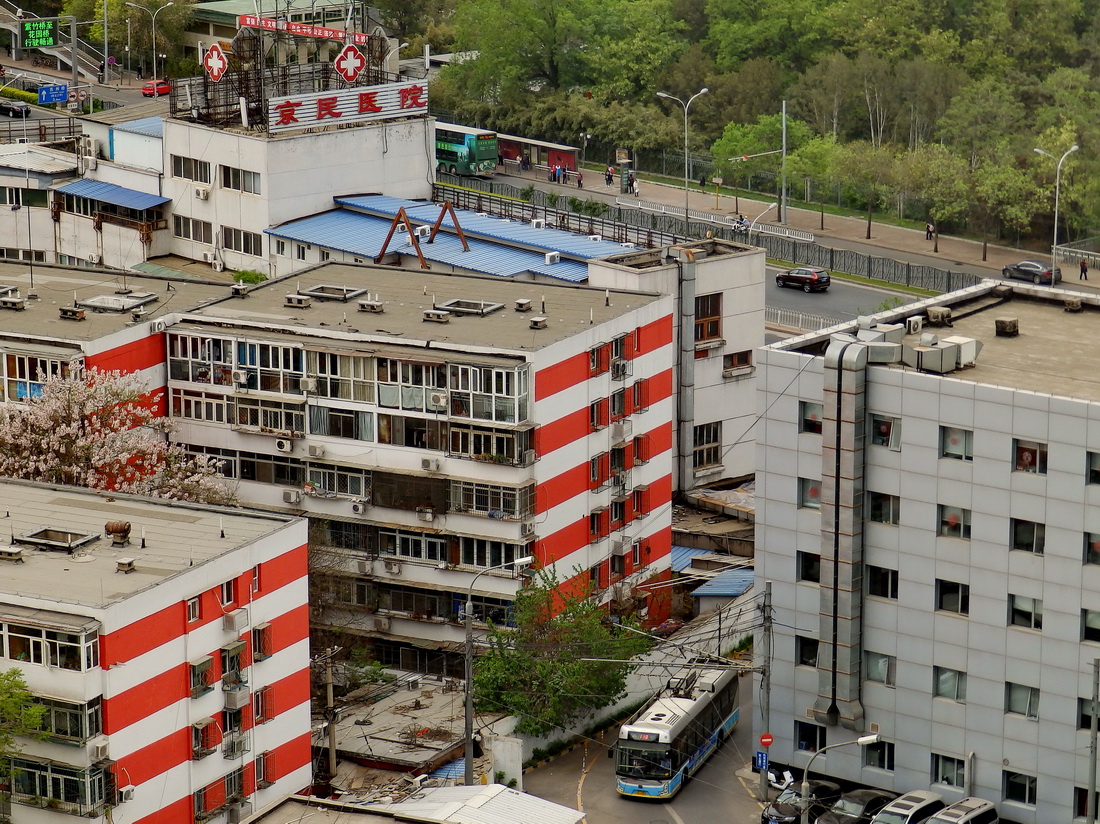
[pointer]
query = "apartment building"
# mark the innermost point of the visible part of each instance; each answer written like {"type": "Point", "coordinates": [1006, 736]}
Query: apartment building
{"type": "Point", "coordinates": [927, 515]}
{"type": "Point", "coordinates": [169, 645]}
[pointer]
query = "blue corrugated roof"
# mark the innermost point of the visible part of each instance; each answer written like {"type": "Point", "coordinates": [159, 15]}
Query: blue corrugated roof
{"type": "Point", "coordinates": [729, 584]}
{"type": "Point", "coordinates": [455, 769]}
{"type": "Point", "coordinates": [682, 555]}
{"type": "Point", "coordinates": [362, 235]}
{"type": "Point", "coordinates": [148, 126]}
{"type": "Point", "coordinates": [110, 193]}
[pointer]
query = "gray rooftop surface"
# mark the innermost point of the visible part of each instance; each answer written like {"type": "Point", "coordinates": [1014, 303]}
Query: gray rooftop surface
{"type": "Point", "coordinates": [407, 294]}
{"type": "Point", "coordinates": [176, 536]}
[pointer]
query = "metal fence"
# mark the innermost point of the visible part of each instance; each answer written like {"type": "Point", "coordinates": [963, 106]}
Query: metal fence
{"type": "Point", "coordinates": [793, 319]}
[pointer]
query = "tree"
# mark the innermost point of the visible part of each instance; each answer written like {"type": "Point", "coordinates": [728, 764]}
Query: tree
{"type": "Point", "coordinates": [815, 162]}
{"type": "Point", "coordinates": [20, 716]}
{"type": "Point", "coordinates": [870, 170]}
{"type": "Point", "coordinates": [171, 24]}
{"type": "Point", "coordinates": [941, 176]}
{"type": "Point", "coordinates": [1004, 194]}
{"type": "Point", "coordinates": [101, 430]}
{"type": "Point", "coordinates": [535, 671]}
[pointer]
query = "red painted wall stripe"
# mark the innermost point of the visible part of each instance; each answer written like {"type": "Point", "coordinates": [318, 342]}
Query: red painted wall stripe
{"type": "Point", "coordinates": [132, 357]}
{"type": "Point", "coordinates": [156, 758]}
{"type": "Point", "coordinates": [653, 336]}
{"type": "Point", "coordinates": [553, 379]}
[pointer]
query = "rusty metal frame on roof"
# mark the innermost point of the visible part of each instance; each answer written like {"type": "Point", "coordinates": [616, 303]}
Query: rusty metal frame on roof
{"type": "Point", "coordinates": [402, 216]}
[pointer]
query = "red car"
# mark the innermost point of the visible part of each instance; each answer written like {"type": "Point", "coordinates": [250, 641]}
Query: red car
{"type": "Point", "coordinates": [155, 88]}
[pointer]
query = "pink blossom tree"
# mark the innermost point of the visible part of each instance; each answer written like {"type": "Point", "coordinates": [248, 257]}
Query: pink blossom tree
{"type": "Point", "coordinates": [101, 430]}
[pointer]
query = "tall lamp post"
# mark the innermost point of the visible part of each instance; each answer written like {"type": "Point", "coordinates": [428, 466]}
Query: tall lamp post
{"type": "Point", "coordinates": [1057, 187]}
{"type": "Point", "coordinates": [804, 802]}
{"type": "Point", "coordinates": [756, 219]}
{"type": "Point", "coordinates": [686, 106]}
{"type": "Point", "coordinates": [518, 562]}
{"type": "Point", "coordinates": [153, 17]}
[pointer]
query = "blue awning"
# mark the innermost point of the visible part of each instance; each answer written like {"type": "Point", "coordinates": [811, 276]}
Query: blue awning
{"type": "Point", "coordinates": [115, 195]}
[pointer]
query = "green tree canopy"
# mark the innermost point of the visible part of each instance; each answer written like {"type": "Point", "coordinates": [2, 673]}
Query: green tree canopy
{"type": "Point", "coordinates": [20, 715]}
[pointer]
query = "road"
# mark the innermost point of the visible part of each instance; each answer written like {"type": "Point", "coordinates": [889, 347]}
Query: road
{"type": "Point", "coordinates": [842, 301]}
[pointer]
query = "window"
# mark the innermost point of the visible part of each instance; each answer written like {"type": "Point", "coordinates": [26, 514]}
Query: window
{"type": "Point", "coordinates": [509, 503]}
{"type": "Point", "coordinates": [1029, 456]}
{"type": "Point", "coordinates": [599, 414]}
{"type": "Point", "coordinates": [809, 493]}
{"type": "Point", "coordinates": [71, 721]}
{"type": "Point", "coordinates": [808, 737]}
{"type": "Point", "coordinates": [265, 770]}
{"type": "Point", "coordinates": [948, 770]}
{"type": "Point", "coordinates": [1084, 713]}
{"type": "Point", "coordinates": [886, 431]}
{"type": "Point", "coordinates": [809, 566]}
{"type": "Point", "coordinates": [241, 180]}
{"type": "Point", "coordinates": [1025, 612]}
{"type": "Point", "coordinates": [248, 243]}
{"type": "Point", "coordinates": [641, 395]}
{"type": "Point", "coordinates": [254, 585]}
{"type": "Point", "coordinates": [232, 661]}
{"type": "Point", "coordinates": [275, 417]}
{"type": "Point", "coordinates": [1092, 473]}
{"type": "Point", "coordinates": [263, 707]}
{"type": "Point", "coordinates": [810, 415]}
{"type": "Point", "coordinates": [74, 790]}
{"type": "Point", "coordinates": [300, 251]}
{"type": "Point", "coordinates": [27, 374]}
{"type": "Point", "coordinates": [952, 596]}
{"type": "Point", "coordinates": [805, 651]}
{"type": "Point", "coordinates": [618, 405]}
{"type": "Point", "coordinates": [204, 738]}
{"type": "Point", "coordinates": [1022, 700]}
{"type": "Point", "coordinates": [708, 317]}
{"type": "Point", "coordinates": [199, 406]}
{"type": "Point", "coordinates": [599, 524]}
{"type": "Point", "coordinates": [954, 522]}
{"type": "Point", "coordinates": [880, 755]}
{"type": "Point", "coordinates": [202, 676]}
{"type": "Point", "coordinates": [734, 361]}
{"type": "Point", "coordinates": [643, 501]}
{"type": "Point", "coordinates": [341, 423]}
{"type": "Point", "coordinates": [194, 610]}
{"type": "Point", "coordinates": [882, 582]}
{"type": "Point", "coordinates": [599, 359]}
{"type": "Point", "coordinates": [280, 247]}
{"type": "Point", "coordinates": [1028, 536]}
{"type": "Point", "coordinates": [1019, 787]}
{"type": "Point", "coordinates": [263, 646]}
{"type": "Point", "coordinates": [227, 592]}
{"type": "Point", "coordinates": [414, 546]}
{"type": "Point", "coordinates": [949, 683]}
{"type": "Point", "coordinates": [234, 785]}
{"type": "Point", "coordinates": [1092, 547]}
{"type": "Point", "coordinates": [325, 255]}
{"type": "Point", "coordinates": [190, 169]}
{"type": "Point", "coordinates": [707, 445]}
{"type": "Point", "coordinates": [880, 668]}
{"type": "Point", "coordinates": [883, 508]}
{"type": "Point", "coordinates": [956, 443]}
{"type": "Point", "coordinates": [345, 377]}
{"type": "Point", "coordinates": [191, 228]}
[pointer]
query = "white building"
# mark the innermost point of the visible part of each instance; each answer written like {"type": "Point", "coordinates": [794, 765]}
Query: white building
{"type": "Point", "coordinates": [927, 513]}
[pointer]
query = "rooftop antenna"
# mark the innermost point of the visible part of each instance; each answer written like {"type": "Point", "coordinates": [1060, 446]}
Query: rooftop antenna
{"type": "Point", "coordinates": [143, 537]}
{"type": "Point", "coordinates": [221, 527]}
{"type": "Point", "coordinates": [606, 297]}
{"type": "Point", "coordinates": [544, 304]}
{"type": "Point", "coordinates": [591, 315]}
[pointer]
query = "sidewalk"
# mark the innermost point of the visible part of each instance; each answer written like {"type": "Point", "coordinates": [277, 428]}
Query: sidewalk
{"type": "Point", "coordinates": [126, 90]}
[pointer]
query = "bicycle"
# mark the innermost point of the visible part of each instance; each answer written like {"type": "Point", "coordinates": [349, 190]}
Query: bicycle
{"type": "Point", "coordinates": [44, 62]}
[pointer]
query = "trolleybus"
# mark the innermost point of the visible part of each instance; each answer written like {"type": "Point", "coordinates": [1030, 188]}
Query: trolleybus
{"type": "Point", "coordinates": [462, 150]}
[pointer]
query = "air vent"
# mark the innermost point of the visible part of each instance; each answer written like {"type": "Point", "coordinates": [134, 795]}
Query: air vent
{"type": "Point", "coordinates": [125, 565]}
{"type": "Point", "coordinates": [437, 316]}
{"type": "Point", "coordinates": [11, 553]}
{"type": "Point", "coordinates": [523, 305]}
{"type": "Point", "coordinates": [375, 306]}
{"type": "Point", "coordinates": [239, 290]}
{"type": "Point", "coordinates": [298, 301]}
{"type": "Point", "coordinates": [538, 322]}
{"type": "Point", "coordinates": [13, 302]}
{"type": "Point", "coordinates": [71, 313]}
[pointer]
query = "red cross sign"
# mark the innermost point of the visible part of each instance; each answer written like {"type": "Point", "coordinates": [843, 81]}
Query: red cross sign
{"type": "Point", "coordinates": [349, 62]}
{"type": "Point", "coordinates": [215, 63]}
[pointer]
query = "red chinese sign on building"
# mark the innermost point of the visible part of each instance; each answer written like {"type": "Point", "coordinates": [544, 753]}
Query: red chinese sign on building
{"type": "Point", "coordinates": [251, 21]}
{"type": "Point", "coordinates": [215, 63]}
{"type": "Point", "coordinates": [346, 106]}
{"type": "Point", "coordinates": [349, 62]}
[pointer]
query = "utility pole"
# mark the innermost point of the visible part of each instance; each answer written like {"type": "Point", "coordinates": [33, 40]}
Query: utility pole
{"type": "Point", "coordinates": [1092, 740]}
{"type": "Point", "coordinates": [783, 172]}
{"type": "Point", "coordinates": [330, 712]}
{"type": "Point", "coordinates": [766, 677]}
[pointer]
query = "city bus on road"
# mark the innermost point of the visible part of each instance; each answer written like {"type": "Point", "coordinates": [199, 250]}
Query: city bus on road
{"type": "Point", "coordinates": [462, 150]}
{"type": "Point", "coordinates": [659, 750]}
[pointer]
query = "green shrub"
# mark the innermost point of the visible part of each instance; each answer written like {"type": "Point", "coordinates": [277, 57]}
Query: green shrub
{"type": "Point", "coordinates": [249, 276]}
{"type": "Point", "coordinates": [19, 94]}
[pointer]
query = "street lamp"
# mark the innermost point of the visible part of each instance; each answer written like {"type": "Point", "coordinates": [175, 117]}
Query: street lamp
{"type": "Point", "coordinates": [386, 59]}
{"type": "Point", "coordinates": [804, 801]}
{"type": "Point", "coordinates": [686, 106]}
{"type": "Point", "coordinates": [518, 562]}
{"type": "Point", "coordinates": [757, 218]}
{"type": "Point", "coordinates": [153, 17]}
{"type": "Point", "coordinates": [1057, 186]}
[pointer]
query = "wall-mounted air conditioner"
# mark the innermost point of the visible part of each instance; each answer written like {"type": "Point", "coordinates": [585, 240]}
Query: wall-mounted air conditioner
{"type": "Point", "coordinates": [284, 444]}
{"type": "Point", "coordinates": [291, 496]}
{"type": "Point", "coordinates": [429, 464]}
{"type": "Point", "coordinates": [316, 450]}
{"type": "Point", "coordinates": [552, 257]}
{"type": "Point", "coordinates": [236, 620]}
{"type": "Point", "coordinates": [202, 193]}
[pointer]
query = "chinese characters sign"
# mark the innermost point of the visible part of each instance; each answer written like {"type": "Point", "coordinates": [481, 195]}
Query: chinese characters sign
{"type": "Point", "coordinates": [251, 21]}
{"type": "Point", "coordinates": [346, 106]}
{"type": "Point", "coordinates": [38, 33]}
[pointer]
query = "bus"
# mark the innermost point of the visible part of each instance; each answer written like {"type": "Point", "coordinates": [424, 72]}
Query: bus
{"type": "Point", "coordinates": [462, 150]}
{"type": "Point", "coordinates": [670, 739]}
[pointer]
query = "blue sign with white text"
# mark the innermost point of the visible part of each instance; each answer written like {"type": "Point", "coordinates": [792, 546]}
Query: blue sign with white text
{"type": "Point", "coordinates": [761, 760]}
{"type": "Point", "coordinates": [53, 94]}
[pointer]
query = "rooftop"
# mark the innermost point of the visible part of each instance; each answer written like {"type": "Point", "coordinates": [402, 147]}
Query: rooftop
{"type": "Point", "coordinates": [176, 536]}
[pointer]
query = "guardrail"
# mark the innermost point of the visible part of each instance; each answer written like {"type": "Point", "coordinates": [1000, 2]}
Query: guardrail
{"type": "Point", "coordinates": [793, 319]}
{"type": "Point", "coordinates": [727, 221]}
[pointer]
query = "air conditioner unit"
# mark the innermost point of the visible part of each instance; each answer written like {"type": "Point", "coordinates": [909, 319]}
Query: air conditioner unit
{"type": "Point", "coordinates": [381, 624]}
{"type": "Point", "coordinates": [239, 812]}
{"type": "Point", "coordinates": [316, 450]}
{"type": "Point", "coordinates": [620, 547]}
{"type": "Point", "coordinates": [100, 752]}
{"type": "Point", "coordinates": [393, 567]}
{"type": "Point", "coordinates": [201, 193]}
{"type": "Point", "coordinates": [423, 231]}
{"type": "Point", "coordinates": [284, 444]}
{"type": "Point", "coordinates": [239, 377]}
{"type": "Point", "coordinates": [538, 223]}
{"type": "Point", "coordinates": [364, 567]}
{"type": "Point", "coordinates": [596, 238]}
{"type": "Point", "coordinates": [552, 257]}
{"type": "Point", "coordinates": [914, 325]}
{"type": "Point", "coordinates": [93, 259]}
{"type": "Point", "coordinates": [529, 457]}
{"type": "Point", "coordinates": [126, 793]}
{"type": "Point", "coordinates": [359, 507]}
{"type": "Point", "coordinates": [526, 529]}
{"type": "Point", "coordinates": [291, 496]}
{"type": "Point", "coordinates": [217, 266]}
{"type": "Point", "coordinates": [425, 513]}
{"type": "Point", "coordinates": [619, 369]}
{"type": "Point", "coordinates": [438, 399]}
{"type": "Point", "coordinates": [621, 431]}
{"type": "Point", "coordinates": [208, 257]}
{"type": "Point", "coordinates": [429, 464]}
{"type": "Point", "coordinates": [402, 228]}
{"type": "Point", "coordinates": [620, 479]}
{"type": "Point", "coordinates": [234, 747]}
{"type": "Point", "coordinates": [157, 326]}
{"type": "Point", "coordinates": [237, 699]}
{"type": "Point", "coordinates": [236, 620]}
{"type": "Point", "coordinates": [309, 385]}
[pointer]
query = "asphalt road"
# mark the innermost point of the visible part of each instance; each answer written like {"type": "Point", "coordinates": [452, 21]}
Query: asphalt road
{"type": "Point", "coordinates": [842, 301]}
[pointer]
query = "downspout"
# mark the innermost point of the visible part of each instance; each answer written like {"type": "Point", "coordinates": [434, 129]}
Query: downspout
{"type": "Point", "coordinates": [685, 403]}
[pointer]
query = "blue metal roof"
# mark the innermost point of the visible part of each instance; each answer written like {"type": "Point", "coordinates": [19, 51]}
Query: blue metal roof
{"type": "Point", "coordinates": [110, 193]}
{"type": "Point", "coordinates": [729, 584]}
{"type": "Point", "coordinates": [148, 126]}
{"type": "Point", "coordinates": [362, 235]}
{"type": "Point", "coordinates": [682, 555]}
{"type": "Point", "coordinates": [495, 228]}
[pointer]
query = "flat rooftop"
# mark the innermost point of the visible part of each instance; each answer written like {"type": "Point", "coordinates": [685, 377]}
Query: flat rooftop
{"type": "Point", "coordinates": [406, 295]}
{"type": "Point", "coordinates": [177, 537]}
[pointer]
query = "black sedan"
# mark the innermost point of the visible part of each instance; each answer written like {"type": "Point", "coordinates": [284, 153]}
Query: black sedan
{"type": "Point", "coordinates": [13, 108]}
{"type": "Point", "coordinates": [856, 807]}
{"type": "Point", "coordinates": [810, 278]}
{"type": "Point", "coordinates": [786, 807]}
{"type": "Point", "coordinates": [1033, 271]}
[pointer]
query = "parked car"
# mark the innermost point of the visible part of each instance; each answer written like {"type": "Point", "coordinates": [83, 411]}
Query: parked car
{"type": "Point", "coordinates": [156, 88]}
{"type": "Point", "coordinates": [1031, 270]}
{"type": "Point", "coordinates": [968, 811]}
{"type": "Point", "coordinates": [856, 807]}
{"type": "Point", "coordinates": [13, 108]}
{"type": "Point", "coordinates": [786, 807]}
{"type": "Point", "coordinates": [912, 808]}
{"type": "Point", "coordinates": [810, 278]}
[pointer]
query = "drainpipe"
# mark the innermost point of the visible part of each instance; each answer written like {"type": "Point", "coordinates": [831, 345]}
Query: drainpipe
{"type": "Point", "coordinates": [685, 405]}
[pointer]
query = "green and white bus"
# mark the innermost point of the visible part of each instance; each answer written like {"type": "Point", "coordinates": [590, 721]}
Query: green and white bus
{"type": "Point", "coordinates": [462, 150]}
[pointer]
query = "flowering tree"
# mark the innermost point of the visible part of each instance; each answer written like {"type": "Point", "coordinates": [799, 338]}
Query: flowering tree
{"type": "Point", "coordinates": [101, 430]}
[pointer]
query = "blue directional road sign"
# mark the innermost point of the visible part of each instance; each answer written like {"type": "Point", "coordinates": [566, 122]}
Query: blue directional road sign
{"type": "Point", "coordinates": [53, 94]}
{"type": "Point", "coordinates": [761, 760]}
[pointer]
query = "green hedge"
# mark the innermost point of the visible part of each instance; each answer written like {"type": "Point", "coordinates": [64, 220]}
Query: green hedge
{"type": "Point", "coordinates": [17, 94]}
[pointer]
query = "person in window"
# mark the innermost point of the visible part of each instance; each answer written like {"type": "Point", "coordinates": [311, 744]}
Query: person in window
{"type": "Point", "coordinates": [1025, 460]}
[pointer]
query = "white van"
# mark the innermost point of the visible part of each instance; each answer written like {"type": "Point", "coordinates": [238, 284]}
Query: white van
{"type": "Point", "coordinates": [968, 811]}
{"type": "Point", "coordinates": [912, 808]}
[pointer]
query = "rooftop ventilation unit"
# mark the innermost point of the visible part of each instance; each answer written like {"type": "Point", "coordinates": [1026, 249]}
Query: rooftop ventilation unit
{"type": "Point", "coordinates": [239, 290]}
{"type": "Point", "coordinates": [125, 565]}
{"type": "Point", "coordinates": [71, 313]}
{"type": "Point", "coordinates": [437, 315]}
{"type": "Point", "coordinates": [13, 302]}
{"type": "Point", "coordinates": [538, 322]}
{"type": "Point", "coordinates": [298, 301]}
{"type": "Point", "coordinates": [11, 553]}
{"type": "Point", "coordinates": [375, 306]}
{"type": "Point", "coordinates": [523, 305]}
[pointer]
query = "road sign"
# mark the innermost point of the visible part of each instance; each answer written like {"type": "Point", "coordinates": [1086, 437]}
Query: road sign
{"type": "Point", "coordinates": [761, 761]}
{"type": "Point", "coordinates": [349, 62]}
{"type": "Point", "coordinates": [53, 94]}
{"type": "Point", "coordinates": [39, 33]}
{"type": "Point", "coordinates": [82, 95]}
{"type": "Point", "coordinates": [215, 62]}
{"type": "Point", "coordinates": [766, 740]}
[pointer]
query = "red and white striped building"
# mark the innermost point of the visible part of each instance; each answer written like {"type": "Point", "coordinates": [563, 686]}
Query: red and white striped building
{"type": "Point", "coordinates": [174, 663]}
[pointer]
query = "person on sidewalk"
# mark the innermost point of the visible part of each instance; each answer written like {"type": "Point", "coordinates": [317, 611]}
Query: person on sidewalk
{"type": "Point", "coordinates": [580, 179]}
{"type": "Point", "coordinates": [1084, 270]}
{"type": "Point", "coordinates": [929, 230]}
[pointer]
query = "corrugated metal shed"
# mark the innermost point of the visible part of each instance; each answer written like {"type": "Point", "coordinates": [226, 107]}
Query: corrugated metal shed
{"type": "Point", "coordinates": [27, 157]}
{"type": "Point", "coordinates": [730, 584]}
{"type": "Point", "coordinates": [148, 126]}
{"type": "Point", "coordinates": [110, 193]}
{"type": "Point", "coordinates": [489, 804]}
{"type": "Point", "coordinates": [682, 555]}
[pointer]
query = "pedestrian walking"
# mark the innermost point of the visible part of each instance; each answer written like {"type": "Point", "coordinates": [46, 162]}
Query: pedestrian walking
{"type": "Point", "coordinates": [634, 185]}
{"type": "Point", "coordinates": [1084, 270]}
{"type": "Point", "coordinates": [929, 230]}
{"type": "Point", "coordinates": [580, 179]}
{"type": "Point", "coordinates": [609, 176]}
